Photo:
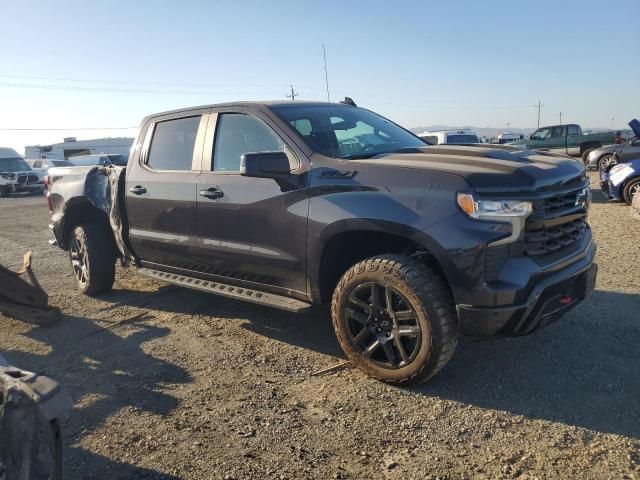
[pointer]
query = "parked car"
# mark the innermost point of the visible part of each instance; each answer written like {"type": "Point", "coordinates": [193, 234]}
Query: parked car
{"type": "Point", "coordinates": [621, 182]}
{"type": "Point", "coordinates": [16, 176]}
{"type": "Point", "coordinates": [98, 159]}
{"type": "Point", "coordinates": [287, 204]}
{"type": "Point", "coordinates": [463, 136]}
{"type": "Point", "coordinates": [601, 158]}
{"type": "Point", "coordinates": [506, 138]}
{"type": "Point", "coordinates": [565, 139]}
{"type": "Point", "coordinates": [47, 163]}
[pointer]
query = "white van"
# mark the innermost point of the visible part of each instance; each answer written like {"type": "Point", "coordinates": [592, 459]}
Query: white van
{"type": "Point", "coordinates": [16, 175]}
{"type": "Point", "coordinates": [99, 159]}
{"type": "Point", "coordinates": [462, 136]}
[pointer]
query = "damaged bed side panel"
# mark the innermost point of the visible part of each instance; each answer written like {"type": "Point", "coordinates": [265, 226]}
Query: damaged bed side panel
{"type": "Point", "coordinates": [85, 193]}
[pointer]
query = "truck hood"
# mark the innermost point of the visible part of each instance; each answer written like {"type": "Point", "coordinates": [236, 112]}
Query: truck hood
{"type": "Point", "coordinates": [489, 169]}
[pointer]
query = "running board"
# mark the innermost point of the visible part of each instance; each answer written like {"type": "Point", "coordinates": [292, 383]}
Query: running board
{"type": "Point", "coordinates": [239, 293]}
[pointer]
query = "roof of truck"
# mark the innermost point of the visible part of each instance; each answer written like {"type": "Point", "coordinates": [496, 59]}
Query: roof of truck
{"type": "Point", "coordinates": [255, 103]}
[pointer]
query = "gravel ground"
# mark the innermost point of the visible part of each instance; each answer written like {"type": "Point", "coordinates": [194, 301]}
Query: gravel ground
{"type": "Point", "coordinates": [202, 387]}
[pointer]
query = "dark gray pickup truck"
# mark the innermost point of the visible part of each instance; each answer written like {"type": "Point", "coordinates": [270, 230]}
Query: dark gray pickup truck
{"type": "Point", "coordinates": [291, 204]}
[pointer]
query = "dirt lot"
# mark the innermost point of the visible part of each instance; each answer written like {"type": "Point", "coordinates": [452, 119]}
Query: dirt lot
{"type": "Point", "coordinates": [202, 387]}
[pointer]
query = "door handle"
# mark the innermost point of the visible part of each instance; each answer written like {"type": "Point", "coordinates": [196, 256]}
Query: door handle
{"type": "Point", "coordinates": [138, 190]}
{"type": "Point", "coordinates": [211, 193]}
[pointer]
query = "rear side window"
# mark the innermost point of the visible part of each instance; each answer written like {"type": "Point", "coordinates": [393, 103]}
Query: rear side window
{"type": "Point", "coordinates": [573, 131]}
{"type": "Point", "coordinates": [172, 144]}
{"type": "Point", "coordinates": [457, 138]}
{"type": "Point", "coordinates": [432, 139]}
{"type": "Point", "coordinates": [237, 134]}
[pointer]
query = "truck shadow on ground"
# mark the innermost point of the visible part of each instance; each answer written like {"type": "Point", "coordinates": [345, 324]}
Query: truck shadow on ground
{"type": "Point", "coordinates": [104, 373]}
{"type": "Point", "coordinates": [583, 370]}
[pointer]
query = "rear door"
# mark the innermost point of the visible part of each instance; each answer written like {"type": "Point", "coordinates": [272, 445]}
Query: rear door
{"type": "Point", "coordinates": [161, 197]}
{"type": "Point", "coordinates": [252, 230]}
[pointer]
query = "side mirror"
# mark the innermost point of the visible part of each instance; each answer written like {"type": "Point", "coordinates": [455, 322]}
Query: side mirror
{"type": "Point", "coordinates": [265, 165]}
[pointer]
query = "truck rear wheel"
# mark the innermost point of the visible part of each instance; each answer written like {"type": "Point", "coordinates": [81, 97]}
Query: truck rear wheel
{"type": "Point", "coordinates": [395, 319]}
{"type": "Point", "coordinates": [92, 258]}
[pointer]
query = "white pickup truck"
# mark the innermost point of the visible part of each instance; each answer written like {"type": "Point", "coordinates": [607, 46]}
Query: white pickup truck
{"type": "Point", "coordinates": [17, 176]}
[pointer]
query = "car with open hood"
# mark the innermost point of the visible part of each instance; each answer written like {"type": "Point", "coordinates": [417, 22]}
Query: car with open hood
{"type": "Point", "coordinates": [604, 157]}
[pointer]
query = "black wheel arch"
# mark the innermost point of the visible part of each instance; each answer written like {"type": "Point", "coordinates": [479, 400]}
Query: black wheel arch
{"type": "Point", "coordinates": [345, 243]}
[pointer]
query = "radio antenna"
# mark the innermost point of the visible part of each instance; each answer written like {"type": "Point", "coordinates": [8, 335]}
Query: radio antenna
{"type": "Point", "coordinates": [326, 75]}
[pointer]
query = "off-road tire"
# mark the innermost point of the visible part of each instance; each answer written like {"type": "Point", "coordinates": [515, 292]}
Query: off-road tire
{"type": "Point", "coordinates": [428, 296]}
{"type": "Point", "coordinates": [98, 257]}
{"type": "Point", "coordinates": [629, 187]}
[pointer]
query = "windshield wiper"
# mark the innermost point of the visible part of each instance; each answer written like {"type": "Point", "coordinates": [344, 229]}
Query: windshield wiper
{"type": "Point", "coordinates": [361, 155]}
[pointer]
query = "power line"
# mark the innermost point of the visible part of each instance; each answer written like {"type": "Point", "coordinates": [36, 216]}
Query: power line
{"type": "Point", "coordinates": [63, 129]}
{"type": "Point", "coordinates": [120, 90]}
{"type": "Point", "coordinates": [129, 82]}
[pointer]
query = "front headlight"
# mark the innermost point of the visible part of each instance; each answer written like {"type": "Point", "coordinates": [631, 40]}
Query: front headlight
{"type": "Point", "coordinates": [493, 209]}
{"type": "Point", "coordinates": [616, 168]}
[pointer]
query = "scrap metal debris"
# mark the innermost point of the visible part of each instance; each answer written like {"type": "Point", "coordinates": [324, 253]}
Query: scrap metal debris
{"type": "Point", "coordinates": [333, 368]}
{"type": "Point", "coordinates": [23, 300]}
{"type": "Point", "coordinates": [32, 409]}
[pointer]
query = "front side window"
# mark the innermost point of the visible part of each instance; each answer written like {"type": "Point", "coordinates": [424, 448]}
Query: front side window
{"type": "Point", "coordinates": [556, 132]}
{"type": "Point", "coordinates": [237, 134]}
{"type": "Point", "coordinates": [346, 132]}
{"type": "Point", "coordinates": [541, 134]}
{"type": "Point", "coordinates": [172, 144]}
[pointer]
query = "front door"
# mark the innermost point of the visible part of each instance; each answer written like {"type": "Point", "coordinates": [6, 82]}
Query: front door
{"type": "Point", "coordinates": [251, 229]}
{"type": "Point", "coordinates": [161, 195]}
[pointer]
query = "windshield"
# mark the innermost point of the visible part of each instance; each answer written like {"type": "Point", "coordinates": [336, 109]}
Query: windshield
{"type": "Point", "coordinates": [119, 160]}
{"type": "Point", "coordinates": [462, 139]}
{"type": "Point", "coordinates": [15, 164]}
{"type": "Point", "coordinates": [347, 132]}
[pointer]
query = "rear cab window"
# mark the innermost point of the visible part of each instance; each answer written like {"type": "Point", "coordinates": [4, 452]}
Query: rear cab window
{"type": "Point", "coordinates": [173, 143]}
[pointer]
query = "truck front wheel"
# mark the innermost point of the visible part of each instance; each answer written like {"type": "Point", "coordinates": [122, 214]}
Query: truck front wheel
{"type": "Point", "coordinates": [92, 258]}
{"type": "Point", "coordinates": [395, 319]}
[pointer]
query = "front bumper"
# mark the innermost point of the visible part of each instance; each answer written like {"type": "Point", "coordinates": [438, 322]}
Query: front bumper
{"type": "Point", "coordinates": [552, 296]}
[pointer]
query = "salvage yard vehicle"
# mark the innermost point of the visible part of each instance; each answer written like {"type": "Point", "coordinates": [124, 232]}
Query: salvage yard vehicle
{"type": "Point", "coordinates": [288, 204]}
{"type": "Point", "coordinates": [602, 158]}
{"type": "Point", "coordinates": [16, 176]}
{"type": "Point", "coordinates": [462, 136]}
{"type": "Point", "coordinates": [621, 182]}
{"type": "Point", "coordinates": [103, 159]}
{"type": "Point", "coordinates": [566, 140]}
{"type": "Point", "coordinates": [47, 163]}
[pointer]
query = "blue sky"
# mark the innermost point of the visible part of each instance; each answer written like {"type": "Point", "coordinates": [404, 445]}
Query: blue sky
{"type": "Point", "coordinates": [418, 62]}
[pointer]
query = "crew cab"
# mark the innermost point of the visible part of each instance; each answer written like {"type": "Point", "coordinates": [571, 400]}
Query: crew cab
{"type": "Point", "coordinates": [565, 139]}
{"type": "Point", "coordinates": [289, 204]}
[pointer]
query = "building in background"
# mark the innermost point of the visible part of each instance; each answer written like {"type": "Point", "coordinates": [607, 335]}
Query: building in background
{"type": "Point", "coordinates": [71, 147]}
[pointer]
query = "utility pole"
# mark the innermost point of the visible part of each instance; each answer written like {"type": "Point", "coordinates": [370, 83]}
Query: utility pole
{"type": "Point", "coordinates": [292, 95]}
{"type": "Point", "coordinates": [539, 107]}
{"type": "Point", "coordinates": [508, 127]}
{"type": "Point", "coordinates": [560, 114]}
{"type": "Point", "coordinates": [613, 119]}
